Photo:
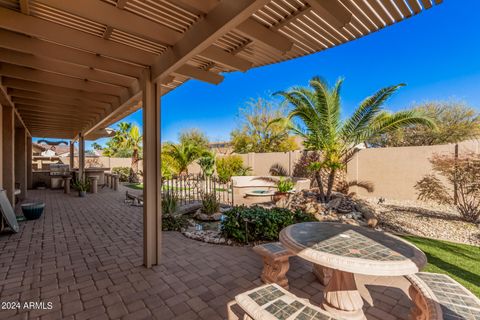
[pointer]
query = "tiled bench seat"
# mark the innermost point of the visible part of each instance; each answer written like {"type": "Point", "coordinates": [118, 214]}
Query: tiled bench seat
{"type": "Point", "coordinates": [275, 263]}
{"type": "Point", "coordinates": [271, 302]}
{"type": "Point", "coordinates": [437, 297]}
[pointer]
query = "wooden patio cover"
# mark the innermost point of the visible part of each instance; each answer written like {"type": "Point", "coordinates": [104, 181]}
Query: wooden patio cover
{"type": "Point", "coordinates": [71, 67]}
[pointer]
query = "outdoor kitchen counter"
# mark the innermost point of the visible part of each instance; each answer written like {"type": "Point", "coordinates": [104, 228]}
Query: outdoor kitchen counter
{"type": "Point", "coordinates": [89, 172]}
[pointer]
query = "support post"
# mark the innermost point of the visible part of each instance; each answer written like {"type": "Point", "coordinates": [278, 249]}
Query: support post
{"type": "Point", "coordinates": [152, 209]}
{"type": "Point", "coordinates": [29, 163]}
{"type": "Point", "coordinates": [81, 158]}
{"type": "Point", "coordinates": [72, 155]}
{"type": "Point", "coordinates": [8, 168]}
{"type": "Point", "coordinates": [21, 160]}
{"type": "Point", "coordinates": [1, 147]}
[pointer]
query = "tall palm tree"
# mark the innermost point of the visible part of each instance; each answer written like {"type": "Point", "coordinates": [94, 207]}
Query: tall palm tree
{"type": "Point", "coordinates": [183, 155]}
{"type": "Point", "coordinates": [318, 108]}
{"type": "Point", "coordinates": [129, 138]}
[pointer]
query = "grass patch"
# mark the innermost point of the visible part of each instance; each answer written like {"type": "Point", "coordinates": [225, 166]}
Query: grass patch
{"type": "Point", "coordinates": [460, 261]}
{"type": "Point", "coordinates": [136, 186]}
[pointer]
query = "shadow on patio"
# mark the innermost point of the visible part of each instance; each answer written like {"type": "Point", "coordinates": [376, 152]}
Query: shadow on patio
{"type": "Point", "coordinates": [85, 256]}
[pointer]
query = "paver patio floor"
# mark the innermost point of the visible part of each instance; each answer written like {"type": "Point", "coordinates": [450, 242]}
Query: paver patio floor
{"type": "Point", "coordinates": [84, 255]}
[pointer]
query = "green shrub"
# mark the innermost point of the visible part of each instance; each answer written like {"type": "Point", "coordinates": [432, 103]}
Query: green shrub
{"type": "Point", "coordinates": [174, 223]}
{"type": "Point", "coordinates": [210, 204]}
{"type": "Point", "coordinates": [230, 166]}
{"type": "Point", "coordinates": [123, 172]}
{"type": "Point", "coordinates": [245, 224]}
{"type": "Point", "coordinates": [169, 203]}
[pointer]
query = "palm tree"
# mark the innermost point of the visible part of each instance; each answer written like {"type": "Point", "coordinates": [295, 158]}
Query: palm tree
{"type": "Point", "coordinates": [318, 107]}
{"type": "Point", "coordinates": [128, 137]}
{"type": "Point", "coordinates": [183, 155]}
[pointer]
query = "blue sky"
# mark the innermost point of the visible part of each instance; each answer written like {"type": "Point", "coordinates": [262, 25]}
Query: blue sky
{"type": "Point", "coordinates": [437, 54]}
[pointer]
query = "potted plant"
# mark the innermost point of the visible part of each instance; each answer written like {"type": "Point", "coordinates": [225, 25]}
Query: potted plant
{"type": "Point", "coordinates": [284, 186]}
{"type": "Point", "coordinates": [82, 187]}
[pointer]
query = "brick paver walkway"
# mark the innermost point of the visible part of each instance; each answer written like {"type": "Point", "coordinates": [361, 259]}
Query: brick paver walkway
{"type": "Point", "coordinates": [84, 255]}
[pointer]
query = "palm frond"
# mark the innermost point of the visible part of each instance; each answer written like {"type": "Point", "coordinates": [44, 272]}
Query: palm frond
{"type": "Point", "coordinates": [366, 113]}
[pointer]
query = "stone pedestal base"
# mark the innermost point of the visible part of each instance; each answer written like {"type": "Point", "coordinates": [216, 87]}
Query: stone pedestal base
{"type": "Point", "coordinates": [323, 274]}
{"type": "Point", "coordinates": [275, 270]}
{"type": "Point", "coordinates": [341, 297]}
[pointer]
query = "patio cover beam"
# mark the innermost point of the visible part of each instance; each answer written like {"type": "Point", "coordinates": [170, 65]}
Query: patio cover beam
{"type": "Point", "coordinates": [25, 73]}
{"type": "Point", "coordinates": [220, 56]}
{"type": "Point", "coordinates": [69, 69]}
{"type": "Point", "coordinates": [6, 100]}
{"type": "Point", "coordinates": [118, 19]}
{"type": "Point", "coordinates": [51, 31]}
{"type": "Point", "coordinates": [225, 16]}
{"type": "Point", "coordinates": [199, 74]}
{"type": "Point", "coordinates": [58, 90]}
{"type": "Point", "coordinates": [332, 11]}
{"type": "Point", "coordinates": [56, 106]}
{"type": "Point", "coordinates": [256, 31]}
{"type": "Point", "coordinates": [46, 97]}
{"type": "Point", "coordinates": [33, 109]}
{"type": "Point", "coordinates": [18, 42]}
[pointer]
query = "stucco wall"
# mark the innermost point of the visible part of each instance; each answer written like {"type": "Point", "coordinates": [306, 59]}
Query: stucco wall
{"type": "Point", "coordinates": [395, 171]}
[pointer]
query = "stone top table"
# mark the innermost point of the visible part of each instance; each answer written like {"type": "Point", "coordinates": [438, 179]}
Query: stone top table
{"type": "Point", "coordinates": [347, 250]}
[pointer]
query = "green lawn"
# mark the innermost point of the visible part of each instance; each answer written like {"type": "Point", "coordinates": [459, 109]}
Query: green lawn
{"type": "Point", "coordinates": [460, 261]}
{"type": "Point", "coordinates": [137, 186]}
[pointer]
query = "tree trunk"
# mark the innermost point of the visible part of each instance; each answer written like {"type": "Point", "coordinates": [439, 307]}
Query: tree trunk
{"type": "Point", "coordinates": [134, 167]}
{"type": "Point", "coordinates": [318, 177]}
{"type": "Point", "coordinates": [331, 180]}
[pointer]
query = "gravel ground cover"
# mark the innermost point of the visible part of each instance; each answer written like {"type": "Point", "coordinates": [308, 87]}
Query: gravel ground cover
{"type": "Point", "coordinates": [426, 220]}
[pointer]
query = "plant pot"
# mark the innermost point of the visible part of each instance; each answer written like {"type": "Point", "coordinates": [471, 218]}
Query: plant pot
{"type": "Point", "coordinates": [82, 194]}
{"type": "Point", "coordinates": [277, 196]}
{"type": "Point", "coordinates": [33, 211]}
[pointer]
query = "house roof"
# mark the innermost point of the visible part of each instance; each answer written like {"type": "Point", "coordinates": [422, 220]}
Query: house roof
{"type": "Point", "coordinates": [78, 66]}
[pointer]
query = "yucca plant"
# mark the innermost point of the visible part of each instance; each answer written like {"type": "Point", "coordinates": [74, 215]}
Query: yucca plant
{"type": "Point", "coordinates": [317, 109]}
{"type": "Point", "coordinates": [169, 203]}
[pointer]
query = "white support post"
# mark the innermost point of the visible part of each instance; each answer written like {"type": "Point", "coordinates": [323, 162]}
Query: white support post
{"type": "Point", "coordinates": [152, 209]}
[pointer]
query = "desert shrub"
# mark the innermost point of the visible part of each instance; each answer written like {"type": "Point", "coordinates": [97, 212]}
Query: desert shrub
{"type": "Point", "coordinates": [123, 172]}
{"type": "Point", "coordinates": [244, 224]}
{"type": "Point", "coordinates": [285, 185]}
{"type": "Point", "coordinates": [461, 174]}
{"type": "Point", "coordinates": [169, 203]}
{"type": "Point", "coordinates": [278, 170]}
{"type": "Point", "coordinates": [210, 203]}
{"type": "Point", "coordinates": [230, 166]}
{"type": "Point", "coordinates": [174, 223]}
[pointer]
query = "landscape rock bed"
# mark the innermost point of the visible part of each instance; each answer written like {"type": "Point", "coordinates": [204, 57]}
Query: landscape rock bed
{"type": "Point", "coordinates": [208, 236]}
{"type": "Point", "coordinates": [426, 220]}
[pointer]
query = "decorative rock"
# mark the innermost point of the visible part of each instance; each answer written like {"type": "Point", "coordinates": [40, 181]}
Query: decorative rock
{"type": "Point", "coordinates": [208, 236]}
{"type": "Point", "coordinates": [207, 217]}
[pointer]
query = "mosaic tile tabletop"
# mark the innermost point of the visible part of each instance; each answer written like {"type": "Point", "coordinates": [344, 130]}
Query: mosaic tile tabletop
{"type": "Point", "coordinates": [455, 301]}
{"type": "Point", "coordinates": [349, 243]}
{"type": "Point", "coordinates": [272, 302]}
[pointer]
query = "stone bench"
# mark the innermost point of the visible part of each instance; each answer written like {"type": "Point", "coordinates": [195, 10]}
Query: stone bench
{"type": "Point", "coordinates": [273, 302]}
{"type": "Point", "coordinates": [275, 262]}
{"type": "Point", "coordinates": [437, 296]}
{"type": "Point", "coordinates": [133, 199]}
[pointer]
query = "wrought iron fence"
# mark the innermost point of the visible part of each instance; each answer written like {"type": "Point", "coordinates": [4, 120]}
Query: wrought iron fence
{"type": "Point", "coordinates": [190, 188]}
